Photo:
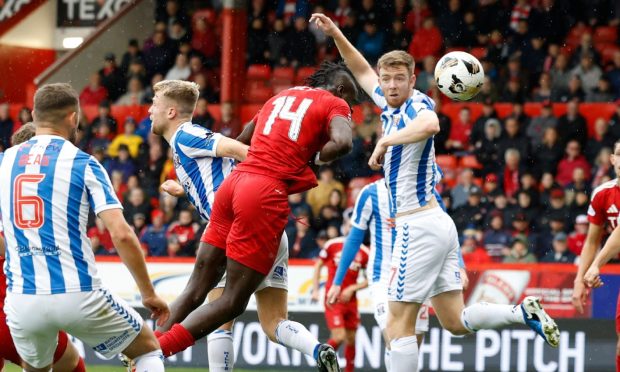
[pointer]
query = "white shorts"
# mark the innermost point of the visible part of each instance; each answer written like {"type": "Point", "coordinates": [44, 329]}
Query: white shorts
{"type": "Point", "coordinates": [379, 295]}
{"type": "Point", "coordinates": [100, 319]}
{"type": "Point", "coordinates": [278, 276]}
{"type": "Point", "coordinates": [424, 257]}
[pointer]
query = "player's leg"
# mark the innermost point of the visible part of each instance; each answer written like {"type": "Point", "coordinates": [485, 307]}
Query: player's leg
{"type": "Point", "coordinates": [334, 318]}
{"type": "Point", "coordinates": [421, 324]}
{"type": "Point", "coordinates": [349, 349]}
{"type": "Point", "coordinates": [66, 357]}
{"type": "Point", "coordinates": [378, 293]}
{"type": "Point", "coordinates": [220, 347]}
{"type": "Point", "coordinates": [400, 329]}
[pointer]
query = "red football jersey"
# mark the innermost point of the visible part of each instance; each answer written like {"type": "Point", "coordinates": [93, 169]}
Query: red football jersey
{"type": "Point", "coordinates": [330, 255]}
{"type": "Point", "coordinates": [605, 204]}
{"type": "Point", "coordinates": [289, 130]}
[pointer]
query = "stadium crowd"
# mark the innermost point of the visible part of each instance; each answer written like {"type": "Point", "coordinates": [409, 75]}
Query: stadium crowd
{"type": "Point", "coordinates": [524, 194]}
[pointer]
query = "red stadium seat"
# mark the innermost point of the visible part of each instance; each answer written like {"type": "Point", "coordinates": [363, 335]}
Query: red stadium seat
{"type": "Point", "coordinates": [120, 113]}
{"type": "Point", "coordinates": [607, 53]}
{"type": "Point", "coordinates": [91, 111]}
{"type": "Point", "coordinates": [283, 74]}
{"type": "Point", "coordinates": [259, 72]}
{"type": "Point", "coordinates": [479, 52]}
{"type": "Point", "coordinates": [605, 34]}
{"type": "Point", "coordinates": [469, 161]}
{"type": "Point", "coordinates": [446, 162]}
{"type": "Point", "coordinates": [574, 35]}
{"type": "Point", "coordinates": [258, 94]}
{"type": "Point", "coordinates": [278, 87]}
{"type": "Point", "coordinates": [302, 74]}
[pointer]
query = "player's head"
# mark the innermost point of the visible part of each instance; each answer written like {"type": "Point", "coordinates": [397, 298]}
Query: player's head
{"type": "Point", "coordinates": [335, 78]}
{"type": "Point", "coordinates": [174, 102]}
{"type": "Point", "coordinates": [396, 77]}
{"type": "Point", "coordinates": [23, 134]}
{"type": "Point", "coordinates": [56, 107]}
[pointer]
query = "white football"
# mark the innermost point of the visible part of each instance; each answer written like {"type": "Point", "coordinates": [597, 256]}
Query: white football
{"type": "Point", "coordinates": [459, 75]}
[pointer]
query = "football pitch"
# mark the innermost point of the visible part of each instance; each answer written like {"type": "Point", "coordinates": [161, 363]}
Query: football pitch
{"type": "Point", "coordinates": [13, 368]}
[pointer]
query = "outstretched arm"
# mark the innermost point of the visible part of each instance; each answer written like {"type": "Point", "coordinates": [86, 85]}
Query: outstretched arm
{"type": "Point", "coordinates": [593, 239]}
{"type": "Point", "coordinates": [230, 148]}
{"type": "Point", "coordinates": [364, 74]}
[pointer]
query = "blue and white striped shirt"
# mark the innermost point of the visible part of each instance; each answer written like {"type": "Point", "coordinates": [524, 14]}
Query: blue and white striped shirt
{"type": "Point", "coordinates": [46, 188]}
{"type": "Point", "coordinates": [199, 170]}
{"type": "Point", "coordinates": [371, 212]}
{"type": "Point", "coordinates": [410, 168]}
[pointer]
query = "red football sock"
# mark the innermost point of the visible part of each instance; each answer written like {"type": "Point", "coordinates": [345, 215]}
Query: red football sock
{"type": "Point", "coordinates": [617, 363]}
{"type": "Point", "coordinates": [175, 340]}
{"type": "Point", "coordinates": [333, 343]}
{"type": "Point", "coordinates": [80, 366]}
{"type": "Point", "coordinates": [349, 356]}
{"type": "Point", "coordinates": [157, 333]}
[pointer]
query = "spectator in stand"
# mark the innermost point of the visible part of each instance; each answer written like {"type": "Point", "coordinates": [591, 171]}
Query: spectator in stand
{"type": "Point", "coordinates": [573, 159]}
{"type": "Point", "coordinates": [160, 57]}
{"type": "Point", "coordinates": [514, 139]}
{"type": "Point", "coordinates": [112, 78]}
{"type": "Point", "coordinates": [451, 23]}
{"type": "Point", "coordinates": [122, 163]}
{"type": "Point", "coordinates": [290, 10]}
{"type": "Point", "coordinates": [553, 51]}
{"type": "Point", "coordinates": [343, 9]}
{"type": "Point", "coordinates": [135, 94]}
{"type": "Point", "coordinates": [100, 239]}
{"type": "Point", "coordinates": [460, 192]}
{"type": "Point", "coordinates": [133, 53]}
{"type": "Point", "coordinates": [533, 57]}
{"type": "Point", "coordinates": [173, 13]}
{"type": "Point", "coordinates": [473, 252]}
{"type": "Point", "coordinates": [427, 41]}
{"type": "Point", "coordinates": [526, 205]}
{"type": "Point", "coordinates": [514, 71]}
{"type": "Point", "coordinates": [137, 70]}
{"type": "Point", "coordinates": [472, 213]}
{"type": "Point", "coordinates": [180, 70]}
{"type": "Point", "coordinates": [491, 190]}
{"type": "Point", "coordinates": [488, 91]}
{"type": "Point", "coordinates": [600, 140]}
{"type": "Point", "coordinates": [228, 123]}
{"type": "Point", "coordinates": [496, 238]}
{"type": "Point", "coordinates": [487, 150]}
{"type": "Point", "coordinates": [184, 232]}
{"type": "Point", "coordinates": [101, 138]}
{"type": "Point", "coordinates": [302, 242]}
{"type": "Point", "coordinates": [276, 44]}
{"type": "Point", "coordinates": [497, 49]}
{"type": "Point", "coordinates": [575, 90]}
{"type": "Point", "coordinates": [127, 138]}
{"type": "Point", "coordinates": [160, 26]}
{"type": "Point", "coordinates": [577, 238]}
{"type": "Point", "coordinates": [104, 117]}
{"type": "Point", "coordinates": [602, 170]}
{"type": "Point", "coordinates": [301, 44]}
{"type": "Point", "coordinates": [205, 40]}
{"type": "Point", "coordinates": [257, 48]}
{"type": "Point", "coordinates": [416, 16]}
{"type": "Point", "coordinates": [560, 76]}
{"type": "Point", "coordinates": [511, 173]}
{"type": "Point", "coordinates": [521, 230]}
{"type": "Point", "coordinates": [153, 237]}
{"type": "Point", "coordinates": [560, 252]}
{"type": "Point", "coordinates": [139, 223]}
{"type": "Point", "coordinates": [470, 32]}
{"type": "Point", "coordinates": [542, 92]}
{"type": "Point", "coordinates": [178, 34]}
{"type": "Point", "coordinates": [460, 132]}
{"type": "Point", "coordinates": [398, 38]}
{"type": "Point", "coordinates": [426, 78]}
{"type": "Point", "coordinates": [519, 253]}
{"type": "Point", "coordinates": [120, 187]}
{"type": "Point", "coordinates": [602, 92]}
{"type": "Point", "coordinates": [148, 92]}
{"type": "Point", "coordinates": [572, 125]}
{"type": "Point", "coordinates": [547, 184]}
{"type": "Point", "coordinates": [538, 126]}
{"type": "Point", "coordinates": [319, 196]}
{"type": "Point", "coordinates": [513, 92]}
{"type": "Point", "coordinates": [585, 47]}
{"type": "Point", "coordinates": [547, 155]}
{"type": "Point", "coordinates": [578, 184]}
{"type": "Point", "coordinates": [202, 116]}
{"type": "Point", "coordinates": [579, 206]}
{"type": "Point", "coordinates": [371, 42]}
{"type": "Point", "coordinates": [6, 125]}
{"type": "Point", "coordinates": [491, 16]}
{"type": "Point", "coordinates": [613, 74]}
{"type": "Point", "coordinates": [614, 122]}
{"type": "Point", "coordinates": [520, 12]}
{"type": "Point", "coordinates": [588, 72]}
{"type": "Point", "coordinates": [136, 203]}
{"type": "Point", "coordinates": [94, 92]}
{"type": "Point", "coordinates": [550, 12]}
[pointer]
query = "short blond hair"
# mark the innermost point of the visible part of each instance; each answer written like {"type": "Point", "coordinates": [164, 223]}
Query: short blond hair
{"type": "Point", "coordinates": [23, 134]}
{"type": "Point", "coordinates": [183, 93]}
{"type": "Point", "coordinates": [397, 58]}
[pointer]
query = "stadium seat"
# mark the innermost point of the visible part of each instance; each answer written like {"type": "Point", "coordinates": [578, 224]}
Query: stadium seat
{"type": "Point", "coordinates": [446, 162]}
{"type": "Point", "coordinates": [120, 113]}
{"type": "Point", "coordinates": [258, 72]}
{"type": "Point", "coordinates": [91, 111]}
{"type": "Point", "coordinates": [607, 53]}
{"type": "Point", "coordinates": [605, 34]}
{"type": "Point", "coordinates": [574, 35]}
{"type": "Point", "coordinates": [283, 75]}
{"type": "Point", "coordinates": [479, 52]}
{"type": "Point", "coordinates": [302, 74]}
{"type": "Point", "coordinates": [277, 88]}
{"type": "Point", "coordinates": [469, 161]}
{"type": "Point", "coordinates": [259, 94]}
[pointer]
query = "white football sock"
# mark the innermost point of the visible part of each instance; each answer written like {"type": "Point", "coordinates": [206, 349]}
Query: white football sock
{"type": "Point", "coordinates": [150, 362]}
{"type": "Point", "coordinates": [404, 354]}
{"type": "Point", "coordinates": [386, 358]}
{"type": "Point", "coordinates": [490, 316]}
{"type": "Point", "coordinates": [220, 351]}
{"type": "Point", "coordinates": [296, 336]}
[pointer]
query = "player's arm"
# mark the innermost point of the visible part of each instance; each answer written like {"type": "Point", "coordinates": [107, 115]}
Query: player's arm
{"type": "Point", "coordinates": [247, 133]}
{"type": "Point", "coordinates": [609, 251]}
{"type": "Point", "coordinates": [1, 247]}
{"type": "Point", "coordinates": [316, 279]}
{"type": "Point", "coordinates": [230, 148]}
{"type": "Point", "coordinates": [340, 140]}
{"type": "Point", "coordinates": [128, 248]}
{"type": "Point", "coordinates": [424, 126]}
{"type": "Point", "coordinates": [591, 244]}
{"type": "Point", "coordinates": [173, 188]}
{"type": "Point", "coordinates": [362, 71]}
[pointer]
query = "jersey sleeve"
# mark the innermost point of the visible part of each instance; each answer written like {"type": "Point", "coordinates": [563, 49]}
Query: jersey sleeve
{"type": "Point", "coordinates": [197, 142]}
{"type": "Point", "coordinates": [101, 193]}
{"type": "Point", "coordinates": [378, 97]}
{"type": "Point", "coordinates": [337, 107]}
{"type": "Point", "coordinates": [362, 211]}
{"type": "Point", "coordinates": [596, 210]}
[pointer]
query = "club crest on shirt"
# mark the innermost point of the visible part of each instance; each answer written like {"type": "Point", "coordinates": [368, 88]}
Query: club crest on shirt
{"type": "Point", "coordinates": [176, 160]}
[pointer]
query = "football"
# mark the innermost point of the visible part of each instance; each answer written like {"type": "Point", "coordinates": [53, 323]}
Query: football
{"type": "Point", "coordinates": [459, 75]}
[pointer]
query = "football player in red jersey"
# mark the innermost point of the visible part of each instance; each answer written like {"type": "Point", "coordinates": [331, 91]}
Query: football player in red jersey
{"type": "Point", "coordinates": [342, 317]}
{"type": "Point", "coordinates": [66, 357]}
{"type": "Point", "coordinates": [602, 214]}
{"type": "Point", "coordinates": [250, 210]}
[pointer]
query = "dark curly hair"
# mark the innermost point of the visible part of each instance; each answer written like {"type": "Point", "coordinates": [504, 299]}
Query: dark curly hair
{"type": "Point", "coordinates": [326, 73]}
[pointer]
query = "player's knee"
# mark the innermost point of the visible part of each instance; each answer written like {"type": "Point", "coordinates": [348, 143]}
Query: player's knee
{"type": "Point", "coordinates": [350, 338]}
{"type": "Point", "coordinates": [455, 328]}
{"type": "Point", "coordinates": [234, 305]}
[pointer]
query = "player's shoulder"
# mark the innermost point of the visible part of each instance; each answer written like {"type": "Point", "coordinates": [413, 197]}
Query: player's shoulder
{"type": "Point", "coordinates": [604, 188]}
{"type": "Point", "coordinates": [417, 102]}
